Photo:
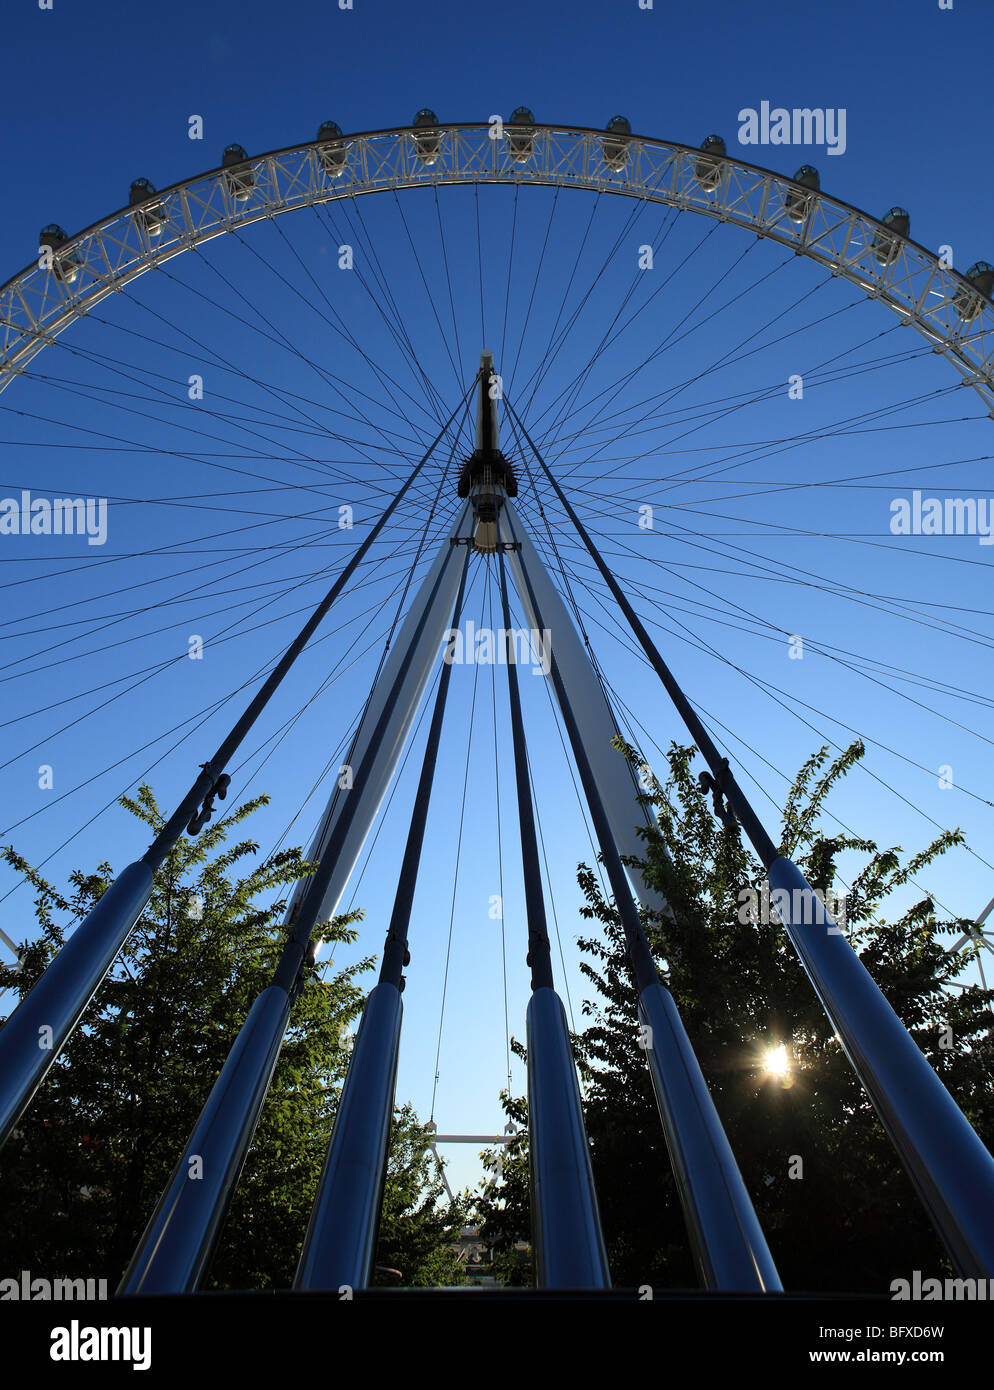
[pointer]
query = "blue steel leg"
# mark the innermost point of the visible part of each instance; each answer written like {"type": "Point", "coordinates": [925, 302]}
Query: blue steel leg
{"type": "Point", "coordinates": [945, 1159]}
{"type": "Point", "coordinates": [569, 1246]}
{"type": "Point", "coordinates": [729, 1247]}
{"type": "Point", "coordinates": [177, 1242]}
{"type": "Point", "coordinates": [341, 1237]}
{"type": "Point", "coordinates": [37, 1030]}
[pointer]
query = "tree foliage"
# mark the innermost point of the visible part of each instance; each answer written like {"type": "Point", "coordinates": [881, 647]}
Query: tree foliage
{"type": "Point", "coordinates": [852, 1222]}
{"type": "Point", "coordinates": [501, 1206]}
{"type": "Point", "coordinates": [418, 1225]}
{"type": "Point", "coordinates": [91, 1156]}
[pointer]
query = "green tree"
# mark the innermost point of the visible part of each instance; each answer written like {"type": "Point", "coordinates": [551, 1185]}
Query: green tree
{"type": "Point", "coordinates": [419, 1227]}
{"type": "Point", "coordinates": [852, 1221]}
{"type": "Point", "coordinates": [84, 1170]}
{"type": "Point", "coordinates": [501, 1204]}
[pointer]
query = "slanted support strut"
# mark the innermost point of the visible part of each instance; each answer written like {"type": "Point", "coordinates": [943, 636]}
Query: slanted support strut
{"type": "Point", "coordinates": [176, 1244]}
{"type": "Point", "coordinates": [340, 1243]}
{"type": "Point", "coordinates": [566, 1228]}
{"type": "Point", "coordinates": [726, 1236]}
{"type": "Point", "coordinates": [58, 1000]}
{"type": "Point", "coordinates": [943, 1155]}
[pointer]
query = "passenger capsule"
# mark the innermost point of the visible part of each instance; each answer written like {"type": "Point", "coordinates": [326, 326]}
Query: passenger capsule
{"type": "Point", "coordinates": [708, 169]}
{"type": "Point", "coordinates": [521, 135]}
{"type": "Point", "coordinates": [428, 142]}
{"type": "Point", "coordinates": [332, 152]}
{"type": "Point", "coordinates": [797, 201]}
{"type": "Point", "coordinates": [968, 302]}
{"type": "Point", "coordinates": [615, 151]}
{"type": "Point", "coordinates": [149, 216]}
{"type": "Point", "coordinates": [238, 177]}
{"type": "Point", "coordinates": [887, 241]}
{"type": "Point", "coordinates": [66, 266]}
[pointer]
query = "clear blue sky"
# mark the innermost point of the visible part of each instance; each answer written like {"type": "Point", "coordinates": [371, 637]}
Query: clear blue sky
{"type": "Point", "coordinates": [101, 94]}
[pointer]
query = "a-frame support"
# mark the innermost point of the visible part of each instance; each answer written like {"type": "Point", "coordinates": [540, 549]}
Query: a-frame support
{"type": "Point", "coordinates": [177, 1242]}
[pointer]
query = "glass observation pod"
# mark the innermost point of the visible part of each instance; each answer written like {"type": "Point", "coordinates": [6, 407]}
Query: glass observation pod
{"type": "Point", "coordinates": [238, 177]}
{"type": "Point", "coordinates": [64, 267]}
{"type": "Point", "coordinates": [797, 201]}
{"type": "Point", "coordinates": [149, 216]}
{"type": "Point", "coordinates": [615, 151]}
{"type": "Point", "coordinates": [968, 302]}
{"type": "Point", "coordinates": [887, 243]}
{"type": "Point", "coordinates": [521, 135]}
{"type": "Point", "coordinates": [332, 151]}
{"type": "Point", "coordinates": [427, 145]}
{"type": "Point", "coordinates": [709, 167]}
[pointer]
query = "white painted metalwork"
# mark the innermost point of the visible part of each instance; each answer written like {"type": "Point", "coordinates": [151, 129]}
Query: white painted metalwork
{"type": "Point", "coordinates": [595, 718]}
{"type": "Point", "coordinates": [477, 1138]}
{"type": "Point", "coordinates": [37, 304]}
{"type": "Point", "coordinates": [426, 650]}
{"type": "Point", "coordinates": [976, 940]}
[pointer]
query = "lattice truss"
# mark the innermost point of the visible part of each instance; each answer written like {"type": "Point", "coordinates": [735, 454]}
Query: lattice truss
{"type": "Point", "coordinates": [940, 303]}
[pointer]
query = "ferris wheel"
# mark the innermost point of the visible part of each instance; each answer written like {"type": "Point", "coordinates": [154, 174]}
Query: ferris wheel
{"type": "Point", "coordinates": [527, 368]}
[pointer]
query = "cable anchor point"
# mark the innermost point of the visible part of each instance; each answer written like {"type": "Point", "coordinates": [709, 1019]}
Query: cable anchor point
{"type": "Point", "coordinates": [219, 789]}
{"type": "Point", "coordinates": [307, 969]}
{"type": "Point", "coordinates": [715, 785]}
